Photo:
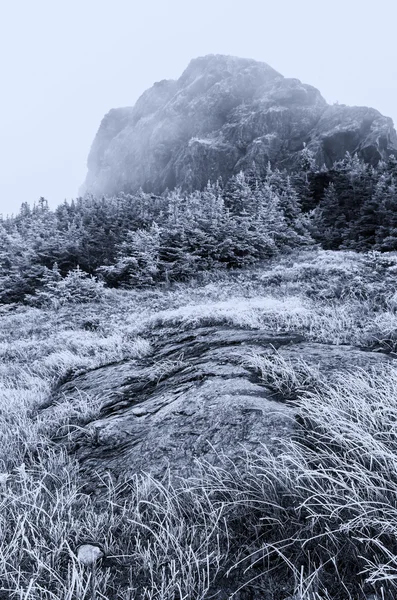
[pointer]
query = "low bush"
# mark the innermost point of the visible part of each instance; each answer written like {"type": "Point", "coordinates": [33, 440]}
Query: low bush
{"type": "Point", "coordinates": [76, 288]}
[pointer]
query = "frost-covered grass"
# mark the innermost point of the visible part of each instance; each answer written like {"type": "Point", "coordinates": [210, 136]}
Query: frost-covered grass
{"type": "Point", "coordinates": [281, 375]}
{"type": "Point", "coordinates": [159, 541]}
{"type": "Point", "coordinates": [335, 298]}
{"type": "Point", "coordinates": [318, 520]}
{"type": "Point", "coordinates": [253, 313]}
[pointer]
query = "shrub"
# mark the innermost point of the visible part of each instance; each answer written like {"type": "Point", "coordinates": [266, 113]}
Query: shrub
{"type": "Point", "coordinates": [76, 288]}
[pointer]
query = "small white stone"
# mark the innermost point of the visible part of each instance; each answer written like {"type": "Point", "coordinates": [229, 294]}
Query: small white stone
{"type": "Point", "coordinates": [88, 554]}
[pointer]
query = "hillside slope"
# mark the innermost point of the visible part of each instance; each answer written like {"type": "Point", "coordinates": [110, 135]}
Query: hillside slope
{"type": "Point", "coordinates": [271, 394]}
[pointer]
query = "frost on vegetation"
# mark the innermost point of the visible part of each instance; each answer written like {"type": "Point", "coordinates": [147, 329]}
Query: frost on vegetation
{"type": "Point", "coordinates": [66, 417]}
{"type": "Point", "coordinates": [158, 538]}
{"type": "Point", "coordinates": [75, 350]}
{"type": "Point", "coordinates": [381, 261]}
{"type": "Point", "coordinates": [83, 354]}
{"type": "Point", "coordinates": [326, 501]}
{"type": "Point", "coordinates": [329, 494]}
{"type": "Point", "coordinates": [322, 276]}
{"type": "Point", "coordinates": [281, 375]}
{"type": "Point", "coordinates": [76, 288]}
{"type": "Point", "coordinates": [243, 312]}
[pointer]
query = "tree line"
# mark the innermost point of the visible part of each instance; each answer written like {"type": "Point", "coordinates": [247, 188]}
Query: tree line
{"type": "Point", "coordinates": [141, 239]}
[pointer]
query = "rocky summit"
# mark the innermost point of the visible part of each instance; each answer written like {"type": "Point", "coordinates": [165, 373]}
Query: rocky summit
{"type": "Point", "coordinates": [226, 114]}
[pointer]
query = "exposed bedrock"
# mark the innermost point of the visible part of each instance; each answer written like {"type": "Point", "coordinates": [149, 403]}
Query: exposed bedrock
{"type": "Point", "coordinates": [194, 397]}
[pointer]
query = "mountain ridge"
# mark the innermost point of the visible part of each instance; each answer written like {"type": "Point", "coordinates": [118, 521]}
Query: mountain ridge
{"type": "Point", "coordinates": [225, 114]}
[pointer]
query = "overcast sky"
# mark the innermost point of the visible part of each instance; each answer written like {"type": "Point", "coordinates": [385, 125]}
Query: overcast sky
{"type": "Point", "coordinates": [65, 63]}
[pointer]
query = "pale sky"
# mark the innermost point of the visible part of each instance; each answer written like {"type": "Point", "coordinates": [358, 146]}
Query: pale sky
{"type": "Point", "coordinates": [65, 63]}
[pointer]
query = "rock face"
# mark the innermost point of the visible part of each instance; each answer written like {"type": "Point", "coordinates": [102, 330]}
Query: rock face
{"type": "Point", "coordinates": [222, 115]}
{"type": "Point", "coordinates": [193, 398]}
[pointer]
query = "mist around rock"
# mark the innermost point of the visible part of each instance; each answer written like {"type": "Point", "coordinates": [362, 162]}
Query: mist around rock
{"type": "Point", "coordinates": [220, 117]}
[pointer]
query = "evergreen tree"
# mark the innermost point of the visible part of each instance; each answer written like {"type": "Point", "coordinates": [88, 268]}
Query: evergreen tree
{"type": "Point", "coordinates": [238, 194]}
{"type": "Point", "coordinates": [329, 221]}
{"type": "Point", "coordinates": [385, 197]}
{"type": "Point", "coordinates": [137, 261]}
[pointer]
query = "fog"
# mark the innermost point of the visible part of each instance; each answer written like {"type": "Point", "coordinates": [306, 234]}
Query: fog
{"type": "Point", "coordinates": [65, 64]}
